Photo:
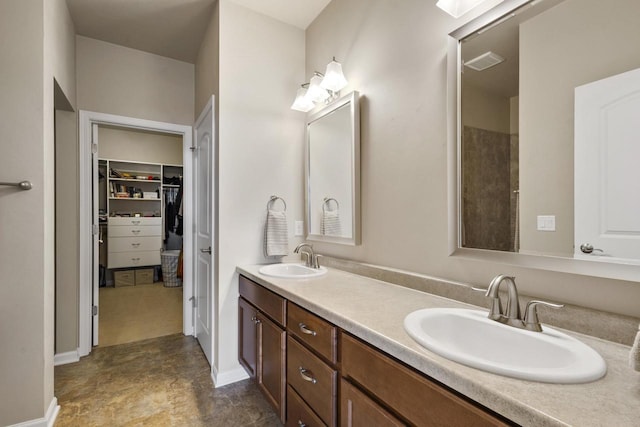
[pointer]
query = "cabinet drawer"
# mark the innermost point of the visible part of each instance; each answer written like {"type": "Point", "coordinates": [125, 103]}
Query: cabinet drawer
{"type": "Point", "coordinates": [313, 380]}
{"type": "Point", "coordinates": [156, 220]}
{"type": "Point", "coordinates": [357, 410]}
{"type": "Point", "coordinates": [316, 332]}
{"type": "Point", "coordinates": [299, 413]}
{"type": "Point", "coordinates": [420, 400]}
{"type": "Point", "coordinates": [269, 303]}
{"type": "Point", "coordinates": [134, 230]}
{"type": "Point", "coordinates": [128, 244]}
{"type": "Point", "coordinates": [133, 259]}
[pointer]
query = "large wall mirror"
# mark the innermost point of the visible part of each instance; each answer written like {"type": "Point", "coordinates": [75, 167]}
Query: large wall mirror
{"type": "Point", "coordinates": [546, 135]}
{"type": "Point", "coordinates": [333, 172]}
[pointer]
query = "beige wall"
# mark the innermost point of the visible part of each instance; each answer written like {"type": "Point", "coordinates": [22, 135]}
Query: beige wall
{"type": "Point", "coordinates": [37, 48]}
{"type": "Point", "coordinates": [260, 150]}
{"type": "Point", "coordinates": [395, 54]}
{"type": "Point", "coordinates": [546, 96]}
{"type": "Point", "coordinates": [118, 80]}
{"type": "Point", "coordinates": [484, 110]}
{"type": "Point", "coordinates": [139, 146]}
{"type": "Point", "coordinates": [67, 232]}
{"type": "Point", "coordinates": [207, 67]}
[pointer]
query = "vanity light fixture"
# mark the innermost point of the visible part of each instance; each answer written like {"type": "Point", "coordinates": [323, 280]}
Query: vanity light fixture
{"type": "Point", "coordinates": [322, 88]}
{"type": "Point", "coordinates": [302, 103]}
{"type": "Point", "coordinates": [457, 8]}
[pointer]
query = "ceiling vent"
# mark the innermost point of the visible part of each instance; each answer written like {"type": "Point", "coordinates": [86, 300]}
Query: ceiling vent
{"type": "Point", "coordinates": [484, 61]}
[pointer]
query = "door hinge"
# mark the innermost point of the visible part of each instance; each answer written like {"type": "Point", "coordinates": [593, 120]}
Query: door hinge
{"type": "Point", "coordinates": [94, 148]}
{"type": "Point", "coordinates": [94, 310]}
{"type": "Point", "coordinates": [95, 229]}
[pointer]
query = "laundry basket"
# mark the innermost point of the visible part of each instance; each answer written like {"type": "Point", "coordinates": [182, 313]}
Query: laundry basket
{"type": "Point", "coordinates": [170, 268]}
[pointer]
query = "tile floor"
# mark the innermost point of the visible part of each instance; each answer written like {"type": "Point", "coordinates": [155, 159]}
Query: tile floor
{"type": "Point", "coordinates": [158, 382]}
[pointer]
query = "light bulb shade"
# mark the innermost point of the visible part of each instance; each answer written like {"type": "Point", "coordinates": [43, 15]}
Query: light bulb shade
{"type": "Point", "coordinates": [316, 92]}
{"type": "Point", "coordinates": [334, 79]}
{"type": "Point", "coordinates": [457, 8]}
{"type": "Point", "coordinates": [302, 103]}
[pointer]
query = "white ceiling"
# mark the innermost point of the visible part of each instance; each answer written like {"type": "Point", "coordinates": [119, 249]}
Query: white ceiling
{"type": "Point", "coordinates": [173, 28]}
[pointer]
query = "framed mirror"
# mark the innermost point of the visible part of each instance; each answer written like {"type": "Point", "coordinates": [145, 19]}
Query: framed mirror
{"type": "Point", "coordinates": [332, 197]}
{"type": "Point", "coordinates": [542, 99]}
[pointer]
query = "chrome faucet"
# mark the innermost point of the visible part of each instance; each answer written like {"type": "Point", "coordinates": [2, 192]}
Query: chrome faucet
{"type": "Point", "coordinates": [511, 315]}
{"type": "Point", "coordinates": [312, 259]}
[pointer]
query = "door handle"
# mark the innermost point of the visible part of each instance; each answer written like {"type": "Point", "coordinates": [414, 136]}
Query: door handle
{"type": "Point", "coordinates": [206, 251]}
{"type": "Point", "coordinates": [588, 248]}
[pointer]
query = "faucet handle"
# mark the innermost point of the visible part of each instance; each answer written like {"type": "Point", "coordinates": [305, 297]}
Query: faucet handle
{"type": "Point", "coordinates": [316, 260]}
{"type": "Point", "coordinates": [531, 321]}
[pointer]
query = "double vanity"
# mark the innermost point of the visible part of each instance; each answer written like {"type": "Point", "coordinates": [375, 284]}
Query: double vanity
{"type": "Point", "coordinates": [339, 349]}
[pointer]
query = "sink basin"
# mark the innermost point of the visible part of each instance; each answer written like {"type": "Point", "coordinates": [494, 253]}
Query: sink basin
{"type": "Point", "coordinates": [292, 271]}
{"type": "Point", "coordinates": [470, 338]}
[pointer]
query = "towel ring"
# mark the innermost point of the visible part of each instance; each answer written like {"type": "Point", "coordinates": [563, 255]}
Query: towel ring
{"type": "Point", "coordinates": [328, 200]}
{"type": "Point", "coordinates": [276, 198]}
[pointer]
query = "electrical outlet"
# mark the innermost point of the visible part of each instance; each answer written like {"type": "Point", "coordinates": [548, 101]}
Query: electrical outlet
{"type": "Point", "coordinates": [546, 223]}
{"type": "Point", "coordinates": [299, 228]}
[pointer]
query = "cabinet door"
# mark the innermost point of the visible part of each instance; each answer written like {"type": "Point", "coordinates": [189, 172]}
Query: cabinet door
{"type": "Point", "coordinates": [357, 410]}
{"type": "Point", "coordinates": [271, 374]}
{"type": "Point", "coordinates": [247, 344]}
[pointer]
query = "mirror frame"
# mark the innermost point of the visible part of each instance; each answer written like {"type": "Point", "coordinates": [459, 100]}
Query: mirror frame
{"type": "Point", "coordinates": [596, 267]}
{"type": "Point", "coordinates": [352, 99]}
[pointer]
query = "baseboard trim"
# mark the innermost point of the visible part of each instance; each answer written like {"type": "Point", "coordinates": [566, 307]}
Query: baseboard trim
{"type": "Point", "coordinates": [48, 420]}
{"type": "Point", "coordinates": [228, 377]}
{"type": "Point", "coordinates": [65, 358]}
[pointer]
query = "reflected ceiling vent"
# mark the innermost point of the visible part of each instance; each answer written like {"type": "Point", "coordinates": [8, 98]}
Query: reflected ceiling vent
{"type": "Point", "coordinates": [484, 61]}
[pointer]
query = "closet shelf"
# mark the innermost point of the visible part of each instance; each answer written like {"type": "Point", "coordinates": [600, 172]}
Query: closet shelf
{"type": "Point", "coordinates": [156, 181]}
{"type": "Point", "coordinates": [136, 199]}
{"type": "Point", "coordinates": [170, 186]}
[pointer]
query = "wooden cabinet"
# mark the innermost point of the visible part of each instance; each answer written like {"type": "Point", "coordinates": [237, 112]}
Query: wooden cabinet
{"type": "Point", "coordinates": [300, 372]}
{"type": "Point", "coordinates": [358, 410]}
{"type": "Point", "coordinates": [417, 398]}
{"type": "Point", "coordinates": [262, 341]}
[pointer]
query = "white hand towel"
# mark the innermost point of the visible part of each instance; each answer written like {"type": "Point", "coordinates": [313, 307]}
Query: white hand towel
{"type": "Point", "coordinates": [634, 355]}
{"type": "Point", "coordinates": [276, 234]}
{"type": "Point", "coordinates": [330, 225]}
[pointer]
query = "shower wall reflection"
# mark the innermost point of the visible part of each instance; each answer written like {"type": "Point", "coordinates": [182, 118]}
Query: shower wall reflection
{"type": "Point", "coordinates": [489, 198]}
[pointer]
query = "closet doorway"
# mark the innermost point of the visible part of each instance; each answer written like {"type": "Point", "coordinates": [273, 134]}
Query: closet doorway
{"type": "Point", "coordinates": [135, 204]}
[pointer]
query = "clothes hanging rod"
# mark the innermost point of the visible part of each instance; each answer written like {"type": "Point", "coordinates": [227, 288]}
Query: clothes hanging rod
{"type": "Point", "coordinates": [23, 185]}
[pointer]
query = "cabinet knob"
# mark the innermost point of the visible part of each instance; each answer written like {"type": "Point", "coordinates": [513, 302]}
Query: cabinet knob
{"type": "Point", "coordinates": [255, 320]}
{"type": "Point", "coordinates": [307, 375]}
{"type": "Point", "coordinates": [306, 330]}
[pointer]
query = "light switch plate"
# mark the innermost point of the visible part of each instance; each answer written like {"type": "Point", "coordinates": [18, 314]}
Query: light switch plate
{"type": "Point", "coordinates": [546, 223]}
{"type": "Point", "coordinates": [299, 228]}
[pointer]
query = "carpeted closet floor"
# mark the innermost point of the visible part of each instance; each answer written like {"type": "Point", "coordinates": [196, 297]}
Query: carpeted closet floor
{"type": "Point", "coordinates": [158, 382]}
{"type": "Point", "coordinates": [135, 313]}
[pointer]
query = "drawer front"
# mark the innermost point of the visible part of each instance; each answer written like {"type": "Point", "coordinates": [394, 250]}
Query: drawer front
{"type": "Point", "coordinates": [144, 276]}
{"type": "Point", "coordinates": [133, 259]}
{"type": "Point", "coordinates": [268, 302]}
{"type": "Point", "coordinates": [420, 400]}
{"type": "Point", "coordinates": [357, 410]}
{"type": "Point", "coordinates": [316, 332]}
{"type": "Point", "coordinates": [313, 380]}
{"type": "Point", "coordinates": [135, 221]}
{"type": "Point", "coordinates": [128, 244]}
{"type": "Point", "coordinates": [134, 230]}
{"type": "Point", "coordinates": [299, 413]}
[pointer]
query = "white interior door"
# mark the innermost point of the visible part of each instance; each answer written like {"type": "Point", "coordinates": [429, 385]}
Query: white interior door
{"type": "Point", "coordinates": [607, 174]}
{"type": "Point", "coordinates": [95, 195]}
{"type": "Point", "coordinates": [203, 180]}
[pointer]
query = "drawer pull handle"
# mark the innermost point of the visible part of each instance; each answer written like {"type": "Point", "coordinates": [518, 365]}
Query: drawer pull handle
{"type": "Point", "coordinates": [307, 375]}
{"type": "Point", "coordinates": [135, 245]}
{"type": "Point", "coordinates": [301, 424]}
{"type": "Point", "coordinates": [135, 222]}
{"type": "Point", "coordinates": [306, 330]}
{"type": "Point", "coordinates": [135, 231]}
{"type": "Point", "coordinates": [135, 259]}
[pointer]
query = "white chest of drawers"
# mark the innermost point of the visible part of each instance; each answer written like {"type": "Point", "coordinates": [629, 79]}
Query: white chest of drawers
{"type": "Point", "coordinates": [134, 242]}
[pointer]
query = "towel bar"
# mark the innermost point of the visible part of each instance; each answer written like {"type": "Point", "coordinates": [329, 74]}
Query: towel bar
{"type": "Point", "coordinates": [275, 198]}
{"type": "Point", "coordinates": [23, 185]}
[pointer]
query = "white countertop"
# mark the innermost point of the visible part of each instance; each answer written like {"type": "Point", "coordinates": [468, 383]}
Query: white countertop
{"type": "Point", "coordinates": [374, 311]}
